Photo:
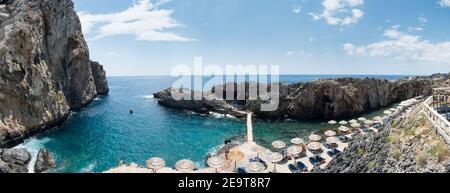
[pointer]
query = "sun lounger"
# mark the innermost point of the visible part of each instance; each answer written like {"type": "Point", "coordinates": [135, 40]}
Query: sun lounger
{"type": "Point", "coordinates": [366, 130]}
{"type": "Point", "coordinates": [293, 168]}
{"type": "Point", "coordinates": [333, 153]}
{"type": "Point", "coordinates": [316, 161]}
{"type": "Point", "coordinates": [242, 171]}
{"type": "Point", "coordinates": [302, 166]}
{"type": "Point", "coordinates": [326, 145]}
{"type": "Point", "coordinates": [344, 139]}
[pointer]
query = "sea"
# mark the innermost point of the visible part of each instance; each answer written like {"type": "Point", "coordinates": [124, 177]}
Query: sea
{"type": "Point", "coordinates": [99, 136]}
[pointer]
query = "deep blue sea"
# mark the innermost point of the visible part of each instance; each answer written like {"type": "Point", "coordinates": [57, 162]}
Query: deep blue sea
{"type": "Point", "coordinates": [97, 137]}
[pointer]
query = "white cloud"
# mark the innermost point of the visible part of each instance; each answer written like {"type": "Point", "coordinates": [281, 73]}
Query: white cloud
{"type": "Point", "coordinates": [423, 19]}
{"type": "Point", "coordinates": [444, 3]}
{"type": "Point", "coordinates": [144, 19]}
{"type": "Point", "coordinates": [404, 47]}
{"type": "Point", "coordinates": [340, 12]}
{"type": "Point", "coordinates": [297, 9]}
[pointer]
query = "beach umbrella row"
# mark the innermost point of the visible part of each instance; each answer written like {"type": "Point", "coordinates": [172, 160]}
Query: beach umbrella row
{"type": "Point", "coordinates": [297, 141]}
{"type": "Point", "coordinates": [332, 122]}
{"type": "Point", "coordinates": [216, 162]}
{"type": "Point", "coordinates": [278, 144]}
{"type": "Point", "coordinates": [315, 137]}
{"type": "Point", "coordinates": [330, 133]}
{"type": "Point", "coordinates": [185, 166]}
{"type": "Point", "coordinates": [255, 167]}
{"type": "Point", "coordinates": [155, 163]}
{"type": "Point", "coordinates": [275, 157]}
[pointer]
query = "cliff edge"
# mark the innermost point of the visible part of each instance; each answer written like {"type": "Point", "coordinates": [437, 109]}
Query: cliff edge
{"type": "Point", "coordinates": [45, 69]}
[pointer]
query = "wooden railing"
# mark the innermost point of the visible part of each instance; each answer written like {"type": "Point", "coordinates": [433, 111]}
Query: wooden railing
{"type": "Point", "coordinates": [439, 122]}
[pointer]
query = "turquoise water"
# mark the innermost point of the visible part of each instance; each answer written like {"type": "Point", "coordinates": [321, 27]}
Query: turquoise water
{"type": "Point", "coordinates": [97, 137]}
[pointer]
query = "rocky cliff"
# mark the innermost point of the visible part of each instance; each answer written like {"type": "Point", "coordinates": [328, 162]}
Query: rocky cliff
{"type": "Point", "coordinates": [407, 144]}
{"type": "Point", "coordinates": [45, 69]}
{"type": "Point", "coordinates": [322, 99]}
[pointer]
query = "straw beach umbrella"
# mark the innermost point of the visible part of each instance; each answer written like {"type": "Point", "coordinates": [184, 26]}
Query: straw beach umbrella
{"type": "Point", "coordinates": [295, 150]}
{"type": "Point", "coordinates": [215, 162]}
{"type": "Point", "coordinates": [343, 123]}
{"type": "Point", "coordinates": [368, 122]}
{"type": "Point", "coordinates": [155, 163]}
{"type": "Point", "coordinates": [353, 121]}
{"type": "Point", "coordinates": [315, 137]}
{"type": "Point", "coordinates": [278, 144]}
{"type": "Point", "coordinates": [332, 122]}
{"type": "Point", "coordinates": [275, 157]}
{"type": "Point", "coordinates": [235, 156]}
{"type": "Point", "coordinates": [332, 142]}
{"type": "Point", "coordinates": [297, 141]}
{"type": "Point", "coordinates": [344, 129]}
{"type": "Point", "coordinates": [356, 125]}
{"type": "Point", "coordinates": [255, 167]}
{"type": "Point", "coordinates": [387, 112]}
{"type": "Point", "coordinates": [314, 147]}
{"type": "Point", "coordinates": [330, 133]}
{"type": "Point", "coordinates": [362, 119]}
{"type": "Point", "coordinates": [185, 166]}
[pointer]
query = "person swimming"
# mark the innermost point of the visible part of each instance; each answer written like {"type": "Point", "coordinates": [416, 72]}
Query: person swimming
{"type": "Point", "coordinates": [131, 111]}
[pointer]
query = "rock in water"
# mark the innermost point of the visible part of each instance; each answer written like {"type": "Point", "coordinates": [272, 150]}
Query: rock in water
{"type": "Point", "coordinates": [45, 69]}
{"type": "Point", "coordinates": [44, 161]}
{"type": "Point", "coordinates": [14, 160]}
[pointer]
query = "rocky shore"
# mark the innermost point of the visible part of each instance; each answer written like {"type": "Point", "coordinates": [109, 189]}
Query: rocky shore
{"type": "Point", "coordinates": [17, 161]}
{"type": "Point", "coordinates": [45, 69]}
{"type": "Point", "coordinates": [407, 144]}
{"type": "Point", "coordinates": [323, 99]}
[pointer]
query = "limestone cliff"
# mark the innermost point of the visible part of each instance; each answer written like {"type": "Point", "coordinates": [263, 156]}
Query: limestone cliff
{"type": "Point", "coordinates": [45, 69]}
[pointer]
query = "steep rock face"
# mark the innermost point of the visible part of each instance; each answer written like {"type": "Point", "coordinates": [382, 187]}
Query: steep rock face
{"type": "Point", "coordinates": [45, 70]}
{"type": "Point", "coordinates": [44, 161]}
{"type": "Point", "coordinates": [14, 160]}
{"type": "Point", "coordinates": [321, 99]}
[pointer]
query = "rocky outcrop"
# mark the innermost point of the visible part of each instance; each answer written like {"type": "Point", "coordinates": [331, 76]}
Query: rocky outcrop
{"type": "Point", "coordinates": [405, 145]}
{"type": "Point", "coordinates": [14, 160]}
{"type": "Point", "coordinates": [321, 99]}
{"type": "Point", "coordinates": [44, 161]}
{"type": "Point", "coordinates": [45, 69]}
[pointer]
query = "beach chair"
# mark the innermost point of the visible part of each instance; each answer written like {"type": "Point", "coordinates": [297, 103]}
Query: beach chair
{"type": "Point", "coordinates": [302, 166]}
{"type": "Point", "coordinates": [242, 171]}
{"type": "Point", "coordinates": [333, 152]}
{"type": "Point", "coordinates": [316, 161]}
{"type": "Point", "coordinates": [326, 145]}
{"type": "Point", "coordinates": [293, 168]}
{"type": "Point", "coordinates": [366, 130]}
{"type": "Point", "coordinates": [344, 139]}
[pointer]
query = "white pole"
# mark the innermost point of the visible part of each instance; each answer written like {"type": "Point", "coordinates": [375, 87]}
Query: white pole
{"type": "Point", "coordinates": [249, 128]}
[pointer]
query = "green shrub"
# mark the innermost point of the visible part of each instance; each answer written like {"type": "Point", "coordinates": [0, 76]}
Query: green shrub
{"type": "Point", "coordinates": [422, 159]}
{"type": "Point", "coordinates": [397, 154]}
{"type": "Point", "coordinates": [360, 151]}
{"type": "Point", "coordinates": [439, 150]}
{"type": "Point", "coordinates": [410, 132]}
{"type": "Point", "coordinates": [421, 122]}
{"type": "Point", "coordinates": [394, 139]}
{"type": "Point", "coordinates": [371, 164]}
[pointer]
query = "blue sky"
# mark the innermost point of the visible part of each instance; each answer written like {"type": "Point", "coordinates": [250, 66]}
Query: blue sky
{"type": "Point", "coordinates": [149, 37]}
